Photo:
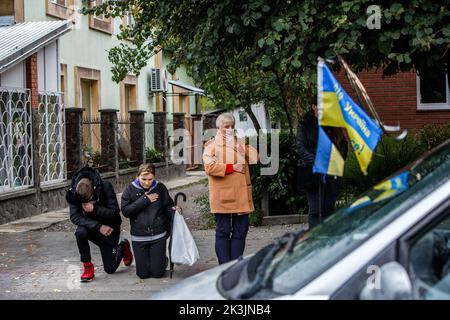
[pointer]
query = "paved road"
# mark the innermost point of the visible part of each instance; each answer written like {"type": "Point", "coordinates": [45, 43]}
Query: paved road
{"type": "Point", "coordinates": [45, 265]}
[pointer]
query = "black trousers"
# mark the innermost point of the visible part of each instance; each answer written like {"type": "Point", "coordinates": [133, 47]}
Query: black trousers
{"type": "Point", "coordinates": [150, 257]}
{"type": "Point", "coordinates": [111, 251]}
{"type": "Point", "coordinates": [231, 231]}
{"type": "Point", "coordinates": [322, 202]}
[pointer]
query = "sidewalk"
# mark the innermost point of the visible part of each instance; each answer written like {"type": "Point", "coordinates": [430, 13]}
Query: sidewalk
{"type": "Point", "coordinates": [45, 220]}
{"type": "Point", "coordinates": [45, 265]}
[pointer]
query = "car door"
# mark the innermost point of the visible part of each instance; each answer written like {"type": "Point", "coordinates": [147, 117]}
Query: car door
{"type": "Point", "coordinates": [423, 252]}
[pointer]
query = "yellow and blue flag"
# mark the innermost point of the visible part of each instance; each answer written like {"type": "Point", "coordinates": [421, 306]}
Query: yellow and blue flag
{"type": "Point", "coordinates": [328, 159]}
{"type": "Point", "coordinates": [337, 109]}
{"type": "Point", "coordinates": [382, 191]}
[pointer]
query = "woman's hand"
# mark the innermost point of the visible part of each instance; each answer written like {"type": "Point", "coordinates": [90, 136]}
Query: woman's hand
{"type": "Point", "coordinates": [152, 197]}
{"type": "Point", "coordinates": [177, 208]}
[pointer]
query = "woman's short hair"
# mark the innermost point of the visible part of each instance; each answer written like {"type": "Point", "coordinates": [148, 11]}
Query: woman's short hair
{"type": "Point", "coordinates": [85, 190]}
{"type": "Point", "coordinates": [225, 117]}
{"type": "Point", "coordinates": [146, 168]}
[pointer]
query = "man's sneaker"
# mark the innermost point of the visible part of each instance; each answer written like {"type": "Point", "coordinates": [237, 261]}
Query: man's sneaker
{"type": "Point", "coordinates": [88, 273]}
{"type": "Point", "coordinates": [127, 254]}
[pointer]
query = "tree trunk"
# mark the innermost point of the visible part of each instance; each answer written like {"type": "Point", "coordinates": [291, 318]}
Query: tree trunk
{"type": "Point", "coordinates": [254, 119]}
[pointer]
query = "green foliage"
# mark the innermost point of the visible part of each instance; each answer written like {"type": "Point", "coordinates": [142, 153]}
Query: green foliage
{"type": "Point", "coordinates": [432, 135]}
{"type": "Point", "coordinates": [282, 185]}
{"type": "Point", "coordinates": [153, 156]}
{"type": "Point", "coordinates": [91, 157]}
{"type": "Point", "coordinates": [202, 202]}
{"type": "Point", "coordinates": [250, 51]}
{"type": "Point", "coordinates": [390, 156]}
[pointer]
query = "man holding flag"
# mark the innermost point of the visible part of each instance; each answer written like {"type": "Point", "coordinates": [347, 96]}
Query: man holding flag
{"type": "Point", "coordinates": [337, 116]}
{"type": "Point", "coordinates": [321, 192]}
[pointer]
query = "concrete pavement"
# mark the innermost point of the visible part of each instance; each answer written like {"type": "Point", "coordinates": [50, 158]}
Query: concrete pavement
{"type": "Point", "coordinates": [45, 265]}
{"type": "Point", "coordinates": [37, 263]}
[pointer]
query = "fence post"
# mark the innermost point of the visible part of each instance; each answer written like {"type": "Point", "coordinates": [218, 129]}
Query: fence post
{"type": "Point", "coordinates": [159, 127]}
{"type": "Point", "coordinates": [109, 140]}
{"type": "Point", "coordinates": [31, 72]}
{"type": "Point", "coordinates": [74, 139]}
{"type": "Point", "coordinates": [137, 135]}
{"type": "Point", "coordinates": [178, 123]}
{"type": "Point", "coordinates": [196, 141]}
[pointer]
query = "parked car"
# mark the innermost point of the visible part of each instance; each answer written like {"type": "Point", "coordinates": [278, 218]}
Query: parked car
{"type": "Point", "coordinates": [392, 242]}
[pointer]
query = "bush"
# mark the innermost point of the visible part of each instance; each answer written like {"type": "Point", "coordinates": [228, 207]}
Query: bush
{"type": "Point", "coordinates": [203, 202]}
{"type": "Point", "coordinates": [432, 135]}
{"type": "Point", "coordinates": [281, 186]}
{"type": "Point", "coordinates": [153, 156]}
{"type": "Point", "coordinates": [390, 156]}
{"type": "Point", "coordinates": [91, 157]}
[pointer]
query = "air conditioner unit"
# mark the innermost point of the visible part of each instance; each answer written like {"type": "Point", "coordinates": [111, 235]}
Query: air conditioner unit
{"type": "Point", "coordinates": [158, 80]}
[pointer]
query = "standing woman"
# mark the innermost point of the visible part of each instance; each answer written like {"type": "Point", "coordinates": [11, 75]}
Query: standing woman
{"type": "Point", "coordinates": [148, 205]}
{"type": "Point", "coordinates": [226, 159]}
{"type": "Point", "coordinates": [321, 195]}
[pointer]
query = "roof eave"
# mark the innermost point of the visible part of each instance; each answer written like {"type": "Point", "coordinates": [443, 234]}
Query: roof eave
{"type": "Point", "coordinates": [34, 47]}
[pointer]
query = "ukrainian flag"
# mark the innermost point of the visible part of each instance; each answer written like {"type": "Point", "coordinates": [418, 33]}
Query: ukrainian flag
{"type": "Point", "coordinates": [328, 159]}
{"type": "Point", "coordinates": [337, 109]}
{"type": "Point", "coordinates": [384, 190]}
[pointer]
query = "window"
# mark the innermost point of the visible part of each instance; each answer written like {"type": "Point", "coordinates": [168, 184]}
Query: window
{"type": "Point", "coordinates": [430, 262]}
{"type": "Point", "coordinates": [433, 89]}
{"type": "Point", "coordinates": [60, 8]}
{"type": "Point", "coordinates": [11, 11]}
{"type": "Point", "coordinates": [128, 20]}
{"type": "Point", "coordinates": [62, 3]}
{"type": "Point", "coordinates": [100, 22]}
{"type": "Point", "coordinates": [88, 97]}
{"type": "Point", "coordinates": [243, 116]}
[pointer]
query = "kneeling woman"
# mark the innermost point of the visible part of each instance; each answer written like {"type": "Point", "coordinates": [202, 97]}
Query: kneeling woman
{"type": "Point", "coordinates": [148, 205]}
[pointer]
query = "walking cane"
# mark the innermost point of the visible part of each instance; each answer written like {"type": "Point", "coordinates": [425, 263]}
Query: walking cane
{"type": "Point", "coordinates": [178, 194]}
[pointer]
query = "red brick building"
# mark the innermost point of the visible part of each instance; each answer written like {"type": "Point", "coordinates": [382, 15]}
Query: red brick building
{"type": "Point", "coordinates": [405, 98]}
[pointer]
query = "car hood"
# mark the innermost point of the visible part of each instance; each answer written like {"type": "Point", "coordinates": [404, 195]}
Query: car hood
{"type": "Point", "coordinates": [201, 286]}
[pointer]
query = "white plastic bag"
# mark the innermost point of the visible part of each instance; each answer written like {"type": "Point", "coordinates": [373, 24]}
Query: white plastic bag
{"type": "Point", "coordinates": [184, 250]}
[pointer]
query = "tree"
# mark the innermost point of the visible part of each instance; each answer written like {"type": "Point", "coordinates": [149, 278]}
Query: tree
{"type": "Point", "coordinates": [251, 51]}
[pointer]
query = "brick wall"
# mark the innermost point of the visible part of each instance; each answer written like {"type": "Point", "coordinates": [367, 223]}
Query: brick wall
{"type": "Point", "coordinates": [32, 79]}
{"type": "Point", "coordinates": [395, 98]}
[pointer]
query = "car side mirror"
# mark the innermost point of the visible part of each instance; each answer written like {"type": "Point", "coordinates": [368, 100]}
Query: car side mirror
{"type": "Point", "coordinates": [390, 282]}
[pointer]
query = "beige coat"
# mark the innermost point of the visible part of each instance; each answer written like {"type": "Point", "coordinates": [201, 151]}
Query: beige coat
{"type": "Point", "coordinates": [229, 193]}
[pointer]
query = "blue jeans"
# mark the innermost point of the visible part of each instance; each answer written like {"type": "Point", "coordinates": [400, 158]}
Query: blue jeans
{"type": "Point", "coordinates": [231, 231]}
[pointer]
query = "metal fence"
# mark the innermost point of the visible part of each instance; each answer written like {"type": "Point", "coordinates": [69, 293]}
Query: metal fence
{"type": "Point", "coordinates": [52, 137]}
{"type": "Point", "coordinates": [16, 155]}
{"type": "Point", "coordinates": [92, 138]}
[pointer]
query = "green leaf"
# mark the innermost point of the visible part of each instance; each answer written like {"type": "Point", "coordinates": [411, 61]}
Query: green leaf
{"type": "Point", "coordinates": [278, 25]}
{"type": "Point", "coordinates": [261, 42]}
{"type": "Point", "coordinates": [266, 61]}
{"type": "Point", "coordinates": [296, 64]}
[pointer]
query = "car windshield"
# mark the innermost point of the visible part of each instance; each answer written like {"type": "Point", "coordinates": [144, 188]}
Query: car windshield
{"type": "Point", "coordinates": [295, 265]}
{"type": "Point", "coordinates": [350, 226]}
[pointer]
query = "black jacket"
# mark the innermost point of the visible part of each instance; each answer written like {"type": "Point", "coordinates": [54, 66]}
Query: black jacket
{"type": "Point", "coordinates": [106, 209]}
{"type": "Point", "coordinates": [147, 218]}
{"type": "Point", "coordinates": [307, 136]}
